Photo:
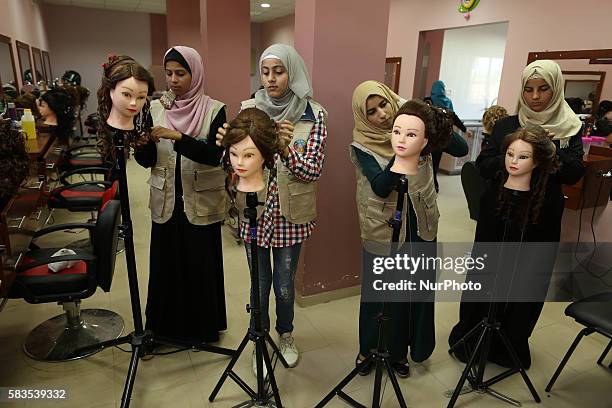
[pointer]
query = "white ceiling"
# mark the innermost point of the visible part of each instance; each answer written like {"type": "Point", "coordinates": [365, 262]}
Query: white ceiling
{"type": "Point", "coordinates": [279, 8]}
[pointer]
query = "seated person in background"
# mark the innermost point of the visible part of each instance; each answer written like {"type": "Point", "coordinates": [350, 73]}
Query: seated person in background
{"type": "Point", "coordinates": [576, 104]}
{"type": "Point", "coordinates": [603, 120]}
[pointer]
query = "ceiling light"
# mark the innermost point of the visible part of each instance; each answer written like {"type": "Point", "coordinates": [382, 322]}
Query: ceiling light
{"type": "Point", "coordinates": [265, 5]}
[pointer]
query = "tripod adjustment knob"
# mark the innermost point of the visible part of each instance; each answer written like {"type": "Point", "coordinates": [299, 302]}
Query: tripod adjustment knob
{"type": "Point", "coordinates": [248, 308]}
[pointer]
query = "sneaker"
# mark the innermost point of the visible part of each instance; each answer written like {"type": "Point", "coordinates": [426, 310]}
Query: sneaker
{"type": "Point", "coordinates": [288, 349]}
{"type": "Point", "coordinates": [366, 369]}
{"type": "Point", "coordinates": [265, 370]}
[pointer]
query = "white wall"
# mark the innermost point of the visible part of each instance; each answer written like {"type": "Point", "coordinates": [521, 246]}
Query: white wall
{"type": "Point", "coordinates": [81, 39]}
{"type": "Point", "coordinates": [472, 61]}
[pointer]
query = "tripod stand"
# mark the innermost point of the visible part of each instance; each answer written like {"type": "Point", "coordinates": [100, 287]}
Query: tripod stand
{"type": "Point", "coordinates": [261, 398]}
{"type": "Point", "coordinates": [475, 367]}
{"type": "Point", "coordinates": [380, 356]}
{"type": "Point", "coordinates": [139, 339]}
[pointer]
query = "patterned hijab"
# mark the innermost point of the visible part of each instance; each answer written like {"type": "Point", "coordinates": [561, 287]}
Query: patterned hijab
{"type": "Point", "coordinates": [188, 112]}
{"type": "Point", "coordinates": [365, 133]}
{"type": "Point", "coordinates": [558, 117]}
{"type": "Point", "coordinates": [292, 105]}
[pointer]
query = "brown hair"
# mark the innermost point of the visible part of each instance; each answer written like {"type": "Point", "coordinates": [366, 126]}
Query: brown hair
{"type": "Point", "coordinates": [438, 123]}
{"type": "Point", "coordinates": [257, 124]}
{"type": "Point", "coordinates": [492, 115]}
{"type": "Point", "coordinates": [119, 68]}
{"type": "Point", "coordinates": [14, 161]}
{"type": "Point", "coordinates": [545, 159]}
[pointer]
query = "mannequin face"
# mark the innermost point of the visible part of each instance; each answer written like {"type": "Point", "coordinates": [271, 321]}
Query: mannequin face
{"type": "Point", "coordinates": [537, 94]}
{"type": "Point", "coordinates": [246, 158]}
{"type": "Point", "coordinates": [379, 112]}
{"type": "Point", "coordinates": [408, 136]}
{"type": "Point", "coordinates": [519, 158]}
{"type": "Point", "coordinates": [178, 78]}
{"type": "Point", "coordinates": [44, 109]}
{"type": "Point", "coordinates": [274, 77]}
{"type": "Point", "coordinates": [129, 97]}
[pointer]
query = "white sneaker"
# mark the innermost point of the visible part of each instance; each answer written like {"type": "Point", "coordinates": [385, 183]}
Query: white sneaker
{"type": "Point", "coordinates": [265, 370]}
{"type": "Point", "coordinates": [288, 349]}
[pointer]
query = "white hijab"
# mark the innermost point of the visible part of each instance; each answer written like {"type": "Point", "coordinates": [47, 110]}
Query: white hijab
{"type": "Point", "coordinates": [558, 117]}
{"type": "Point", "coordinates": [292, 104]}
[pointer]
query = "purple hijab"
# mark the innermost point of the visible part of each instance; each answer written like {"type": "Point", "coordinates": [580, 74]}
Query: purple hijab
{"type": "Point", "coordinates": [187, 113]}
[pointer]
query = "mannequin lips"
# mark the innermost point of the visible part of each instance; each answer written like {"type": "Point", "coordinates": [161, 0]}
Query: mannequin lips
{"type": "Point", "coordinates": [240, 170]}
{"type": "Point", "coordinates": [400, 148]}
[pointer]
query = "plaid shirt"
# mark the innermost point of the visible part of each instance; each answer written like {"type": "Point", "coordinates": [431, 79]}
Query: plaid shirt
{"type": "Point", "coordinates": [272, 228]}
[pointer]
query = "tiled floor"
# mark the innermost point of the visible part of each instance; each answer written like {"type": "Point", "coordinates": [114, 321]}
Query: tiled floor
{"type": "Point", "coordinates": [325, 333]}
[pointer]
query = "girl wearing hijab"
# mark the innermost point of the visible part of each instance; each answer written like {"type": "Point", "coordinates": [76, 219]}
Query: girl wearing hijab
{"type": "Point", "coordinates": [186, 299]}
{"type": "Point", "coordinates": [411, 324]}
{"type": "Point", "coordinates": [542, 103]}
{"type": "Point", "coordinates": [289, 210]}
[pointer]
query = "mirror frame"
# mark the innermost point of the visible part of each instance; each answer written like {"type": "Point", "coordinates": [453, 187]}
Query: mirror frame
{"type": "Point", "coordinates": [598, 90]}
{"type": "Point", "coordinates": [36, 51]}
{"type": "Point", "coordinates": [591, 55]}
{"type": "Point", "coordinates": [46, 57]}
{"type": "Point", "coordinates": [7, 40]}
{"type": "Point", "coordinates": [25, 46]}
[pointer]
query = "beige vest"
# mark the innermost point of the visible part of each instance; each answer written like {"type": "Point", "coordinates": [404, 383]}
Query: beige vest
{"type": "Point", "coordinates": [374, 211]}
{"type": "Point", "coordinates": [298, 199]}
{"type": "Point", "coordinates": [204, 193]}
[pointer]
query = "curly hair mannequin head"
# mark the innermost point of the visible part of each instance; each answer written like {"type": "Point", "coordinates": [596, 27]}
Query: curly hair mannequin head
{"type": "Point", "coordinates": [122, 100]}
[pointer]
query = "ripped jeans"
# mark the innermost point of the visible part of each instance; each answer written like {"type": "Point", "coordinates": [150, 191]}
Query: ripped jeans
{"type": "Point", "coordinates": [285, 265]}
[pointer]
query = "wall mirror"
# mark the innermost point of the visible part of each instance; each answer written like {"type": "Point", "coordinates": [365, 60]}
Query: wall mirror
{"type": "Point", "coordinates": [47, 65]}
{"type": "Point", "coordinates": [25, 63]}
{"type": "Point", "coordinates": [586, 73]}
{"type": "Point", "coordinates": [39, 69]}
{"type": "Point", "coordinates": [8, 71]}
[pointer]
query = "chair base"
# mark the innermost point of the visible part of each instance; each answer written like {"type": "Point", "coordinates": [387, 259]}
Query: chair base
{"type": "Point", "coordinates": [57, 339]}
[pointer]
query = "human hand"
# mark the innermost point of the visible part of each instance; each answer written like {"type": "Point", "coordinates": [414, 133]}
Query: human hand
{"type": "Point", "coordinates": [221, 132]}
{"type": "Point", "coordinates": [159, 132]}
{"type": "Point", "coordinates": [285, 134]}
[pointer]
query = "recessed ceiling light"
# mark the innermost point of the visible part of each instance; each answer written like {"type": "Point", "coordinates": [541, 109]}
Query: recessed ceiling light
{"type": "Point", "coordinates": [265, 5]}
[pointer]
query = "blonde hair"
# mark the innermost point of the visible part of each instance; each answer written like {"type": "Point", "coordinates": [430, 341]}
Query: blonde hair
{"type": "Point", "coordinates": [492, 115]}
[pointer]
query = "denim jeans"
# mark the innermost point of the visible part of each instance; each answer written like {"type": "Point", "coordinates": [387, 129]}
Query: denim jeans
{"type": "Point", "coordinates": [283, 277]}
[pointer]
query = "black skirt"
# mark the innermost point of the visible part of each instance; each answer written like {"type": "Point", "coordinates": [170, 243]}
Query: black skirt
{"type": "Point", "coordinates": [186, 299]}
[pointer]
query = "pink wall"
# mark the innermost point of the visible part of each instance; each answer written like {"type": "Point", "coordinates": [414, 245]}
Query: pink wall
{"type": "Point", "coordinates": [325, 37]}
{"type": "Point", "coordinates": [22, 21]}
{"type": "Point", "coordinates": [537, 26]}
{"type": "Point", "coordinates": [85, 49]}
{"type": "Point", "coordinates": [226, 51]}
{"type": "Point", "coordinates": [183, 22]}
{"type": "Point", "coordinates": [159, 38]}
{"type": "Point", "coordinates": [279, 30]}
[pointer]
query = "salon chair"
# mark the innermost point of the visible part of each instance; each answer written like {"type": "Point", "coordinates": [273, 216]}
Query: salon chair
{"type": "Point", "coordinates": [57, 338]}
{"type": "Point", "coordinates": [595, 313]}
{"type": "Point", "coordinates": [473, 187]}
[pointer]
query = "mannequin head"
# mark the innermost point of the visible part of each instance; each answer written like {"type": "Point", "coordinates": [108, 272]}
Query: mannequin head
{"type": "Point", "coordinates": [417, 130]}
{"type": "Point", "coordinates": [123, 92]}
{"type": "Point", "coordinates": [122, 101]}
{"type": "Point", "coordinates": [56, 107]}
{"type": "Point", "coordinates": [491, 116]}
{"type": "Point", "coordinates": [529, 158]}
{"type": "Point", "coordinates": [251, 143]}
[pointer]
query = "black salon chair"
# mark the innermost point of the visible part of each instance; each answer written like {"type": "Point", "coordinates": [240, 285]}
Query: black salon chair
{"type": "Point", "coordinates": [473, 188]}
{"type": "Point", "coordinates": [595, 313]}
{"type": "Point", "coordinates": [81, 196]}
{"type": "Point", "coordinates": [57, 338]}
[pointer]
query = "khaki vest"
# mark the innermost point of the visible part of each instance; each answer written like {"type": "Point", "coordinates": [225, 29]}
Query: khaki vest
{"type": "Point", "coordinates": [374, 211]}
{"type": "Point", "coordinates": [204, 195]}
{"type": "Point", "coordinates": [298, 199]}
